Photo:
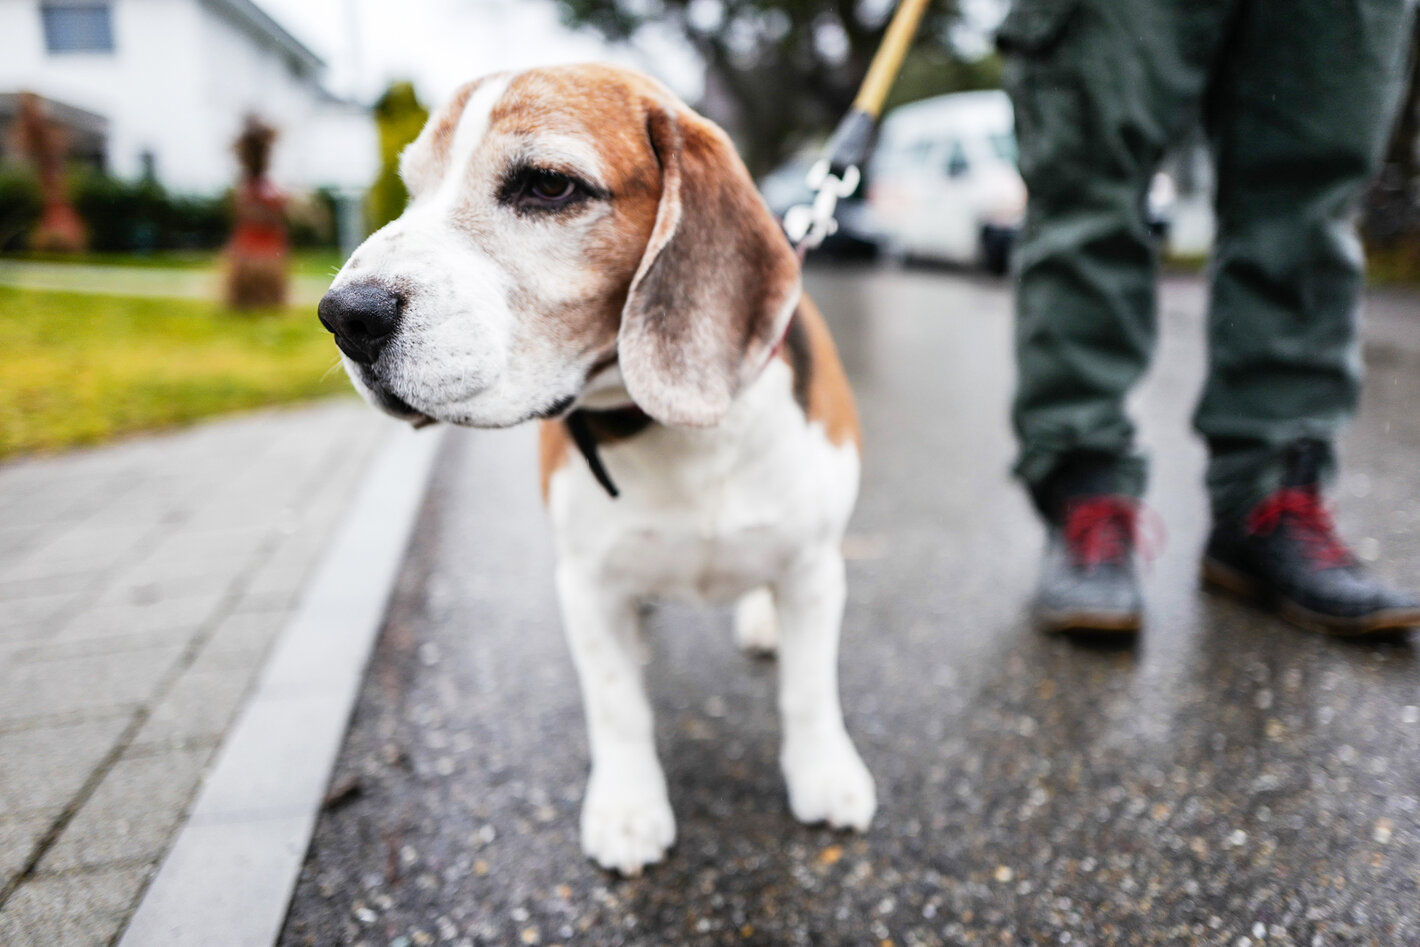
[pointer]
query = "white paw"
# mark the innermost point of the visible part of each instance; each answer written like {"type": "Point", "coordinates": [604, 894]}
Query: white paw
{"type": "Point", "coordinates": [756, 623]}
{"type": "Point", "coordinates": [627, 822]}
{"type": "Point", "coordinates": [829, 783]}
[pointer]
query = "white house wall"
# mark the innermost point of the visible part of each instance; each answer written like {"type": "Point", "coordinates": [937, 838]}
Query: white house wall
{"type": "Point", "coordinates": [178, 84]}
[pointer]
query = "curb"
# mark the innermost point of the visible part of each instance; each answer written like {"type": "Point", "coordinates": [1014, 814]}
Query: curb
{"type": "Point", "coordinates": [228, 877]}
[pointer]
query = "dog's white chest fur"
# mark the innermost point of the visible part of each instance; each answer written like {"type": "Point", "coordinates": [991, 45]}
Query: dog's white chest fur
{"type": "Point", "coordinates": [709, 514]}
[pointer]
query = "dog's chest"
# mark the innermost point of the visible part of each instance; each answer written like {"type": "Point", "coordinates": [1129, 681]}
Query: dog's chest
{"type": "Point", "coordinates": [710, 514]}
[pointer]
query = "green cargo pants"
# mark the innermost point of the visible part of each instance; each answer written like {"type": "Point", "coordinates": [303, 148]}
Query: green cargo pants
{"type": "Point", "coordinates": [1297, 98]}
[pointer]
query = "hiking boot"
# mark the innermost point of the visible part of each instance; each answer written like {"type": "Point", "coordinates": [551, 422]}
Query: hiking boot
{"type": "Point", "coordinates": [1286, 556]}
{"type": "Point", "coordinates": [1089, 576]}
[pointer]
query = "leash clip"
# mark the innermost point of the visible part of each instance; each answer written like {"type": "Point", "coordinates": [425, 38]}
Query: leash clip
{"type": "Point", "coordinates": [808, 224]}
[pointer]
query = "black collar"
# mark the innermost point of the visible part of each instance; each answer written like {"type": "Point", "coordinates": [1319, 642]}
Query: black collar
{"type": "Point", "coordinates": [589, 428]}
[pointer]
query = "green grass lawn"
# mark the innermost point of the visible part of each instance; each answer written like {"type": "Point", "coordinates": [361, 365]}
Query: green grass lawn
{"type": "Point", "coordinates": [77, 369]}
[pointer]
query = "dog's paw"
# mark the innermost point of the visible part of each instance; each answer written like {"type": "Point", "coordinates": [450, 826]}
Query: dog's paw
{"type": "Point", "coordinates": [828, 782]}
{"type": "Point", "coordinates": [626, 824]}
{"type": "Point", "coordinates": [756, 623]}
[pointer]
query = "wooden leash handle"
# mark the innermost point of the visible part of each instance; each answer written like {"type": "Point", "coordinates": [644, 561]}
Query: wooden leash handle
{"type": "Point", "coordinates": [887, 61]}
{"type": "Point", "coordinates": [853, 138]}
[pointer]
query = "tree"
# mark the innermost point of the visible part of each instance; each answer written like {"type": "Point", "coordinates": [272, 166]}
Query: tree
{"type": "Point", "coordinates": [788, 69]}
{"type": "Point", "coordinates": [399, 116]}
{"type": "Point", "coordinates": [1390, 218]}
{"type": "Point", "coordinates": [1404, 151]}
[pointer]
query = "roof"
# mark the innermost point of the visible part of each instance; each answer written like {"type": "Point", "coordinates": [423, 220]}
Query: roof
{"type": "Point", "coordinates": [69, 116]}
{"type": "Point", "coordinates": [259, 21]}
{"type": "Point", "coordinates": [988, 107]}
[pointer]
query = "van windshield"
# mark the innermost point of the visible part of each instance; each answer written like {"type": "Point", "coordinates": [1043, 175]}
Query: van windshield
{"type": "Point", "coordinates": [1004, 145]}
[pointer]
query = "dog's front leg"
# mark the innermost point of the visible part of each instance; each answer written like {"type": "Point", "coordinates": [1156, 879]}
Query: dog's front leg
{"type": "Point", "coordinates": [827, 779]}
{"type": "Point", "coordinates": [626, 815]}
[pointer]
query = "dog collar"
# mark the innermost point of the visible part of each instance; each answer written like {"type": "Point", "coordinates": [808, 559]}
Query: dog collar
{"type": "Point", "coordinates": [590, 427]}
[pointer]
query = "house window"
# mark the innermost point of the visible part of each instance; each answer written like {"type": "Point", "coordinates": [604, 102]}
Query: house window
{"type": "Point", "coordinates": [77, 27]}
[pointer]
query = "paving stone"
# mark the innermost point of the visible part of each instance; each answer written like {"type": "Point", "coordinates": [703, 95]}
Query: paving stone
{"type": "Point", "coordinates": [17, 541]}
{"type": "Point", "coordinates": [199, 707]}
{"type": "Point", "coordinates": [287, 569]}
{"type": "Point", "coordinates": [85, 541]}
{"type": "Point", "coordinates": [127, 618]}
{"type": "Point", "coordinates": [44, 768]}
{"type": "Point", "coordinates": [41, 574]}
{"type": "Point", "coordinates": [19, 833]}
{"type": "Point", "coordinates": [112, 560]}
{"type": "Point", "coordinates": [132, 813]}
{"type": "Point", "coordinates": [82, 683]}
{"type": "Point", "coordinates": [31, 616]}
{"type": "Point", "coordinates": [244, 632]}
{"type": "Point", "coordinates": [187, 544]}
{"type": "Point", "coordinates": [49, 648]}
{"type": "Point", "coordinates": [187, 571]}
{"type": "Point", "coordinates": [266, 601]}
{"type": "Point", "coordinates": [79, 910]}
{"type": "Point", "coordinates": [137, 589]}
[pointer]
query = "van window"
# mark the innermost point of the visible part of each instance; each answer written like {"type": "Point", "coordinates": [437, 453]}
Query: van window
{"type": "Point", "coordinates": [957, 165]}
{"type": "Point", "coordinates": [917, 153]}
{"type": "Point", "coordinates": [1004, 145]}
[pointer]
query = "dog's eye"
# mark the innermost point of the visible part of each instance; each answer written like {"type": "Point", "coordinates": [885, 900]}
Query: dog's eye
{"type": "Point", "coordinates": [551, 187]}
{"type": "Point", "coordinates": [548, 190]}
{"type": "Point", "coordinates": [529, 189]}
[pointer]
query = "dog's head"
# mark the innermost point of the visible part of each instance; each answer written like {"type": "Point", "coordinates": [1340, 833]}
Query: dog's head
{"type": "Point", "coordinates": [563, 221]}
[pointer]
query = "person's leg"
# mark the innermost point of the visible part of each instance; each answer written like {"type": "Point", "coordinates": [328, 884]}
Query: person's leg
{"type": "Point", "coordinates": [1099, 88]}
{"type": "Point", "coordinates": [1298, 114]}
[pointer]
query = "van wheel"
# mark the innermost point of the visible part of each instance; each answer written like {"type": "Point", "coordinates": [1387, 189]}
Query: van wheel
{"type": "Point", "coordinates": [995, 252]}
{"type": "Point", "coordinates": [892, 253]}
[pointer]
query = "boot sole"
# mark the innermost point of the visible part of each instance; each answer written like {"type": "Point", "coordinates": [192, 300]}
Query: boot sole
{"type": "Point", "coordinates": [1220, 578]}
{"type": "Point", "coordinates": [1104, 624]}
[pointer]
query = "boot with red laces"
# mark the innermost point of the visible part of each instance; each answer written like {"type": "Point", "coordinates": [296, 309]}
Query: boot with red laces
{"type": "Point", "coordinates": [1285, 555]}
{"type": "Point", "coordinates": [1089, 576]}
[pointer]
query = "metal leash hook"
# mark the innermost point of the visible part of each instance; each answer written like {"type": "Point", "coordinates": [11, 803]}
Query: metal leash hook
{"type": "Point", "coordinates": [807, 225]}
{"type": "Point", "coordinates": [836, 175]}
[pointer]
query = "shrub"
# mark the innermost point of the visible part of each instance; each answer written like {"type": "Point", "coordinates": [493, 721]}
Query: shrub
{"type": "Point", "coordinates": [21, 203]}
{"type": "Point", "coordinates": [141, 216]}
{"type": "Point", "coordinates": [399, 116]}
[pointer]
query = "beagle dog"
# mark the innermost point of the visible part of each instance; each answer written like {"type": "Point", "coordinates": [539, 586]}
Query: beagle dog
{"type": "Point", "coordinates": [582, 248]}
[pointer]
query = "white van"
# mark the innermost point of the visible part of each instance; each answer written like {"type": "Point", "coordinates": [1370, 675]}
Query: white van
{"type": "Point", "coordinates": [943, 183]}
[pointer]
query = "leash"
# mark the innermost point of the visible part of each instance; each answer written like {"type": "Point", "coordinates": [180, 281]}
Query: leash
{"type": "Point", "coordinates": [835, 175]}
{"type": "Point", "coordinates": [838, 171]}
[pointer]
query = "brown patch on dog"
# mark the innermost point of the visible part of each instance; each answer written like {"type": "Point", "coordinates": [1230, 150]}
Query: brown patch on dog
{"type": "Point", "coordinates": [829, 398]}
{"type": "Point", "coordinates": [554, 444]}
{"type": "Point", "coordinates": [795, 352]}
{"type": "Point", "coordinates": [446, 123]}
{"type": "Point", "coordinates": [718, 274]}
{"type": "Point", "coordinates": [605, 108]}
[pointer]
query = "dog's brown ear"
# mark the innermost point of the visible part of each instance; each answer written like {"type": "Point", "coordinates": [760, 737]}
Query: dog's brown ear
{"type": "Point", "coordinates": [716, 285]}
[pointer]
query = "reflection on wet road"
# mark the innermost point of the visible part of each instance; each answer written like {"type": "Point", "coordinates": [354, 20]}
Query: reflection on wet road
{"type": "Point", "coordinates": [1230, 780]}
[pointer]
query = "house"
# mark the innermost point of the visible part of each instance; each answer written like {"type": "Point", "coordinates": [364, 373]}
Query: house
{"type": "Point", "coordinates": [160, 88]}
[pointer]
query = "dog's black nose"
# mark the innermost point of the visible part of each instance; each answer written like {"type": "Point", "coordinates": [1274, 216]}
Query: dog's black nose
{"type": "Point", "coordinates": [363, 317]}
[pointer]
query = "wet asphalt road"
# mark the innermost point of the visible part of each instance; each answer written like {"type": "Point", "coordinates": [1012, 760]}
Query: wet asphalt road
{"type": "Point", "coordinates": [1229, 780]}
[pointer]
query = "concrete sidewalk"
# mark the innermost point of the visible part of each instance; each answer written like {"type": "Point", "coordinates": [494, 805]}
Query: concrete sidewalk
{"type": "Point", "coordinates": [155, 281]}
{"type": "Point", "coordinates": [140, 587]}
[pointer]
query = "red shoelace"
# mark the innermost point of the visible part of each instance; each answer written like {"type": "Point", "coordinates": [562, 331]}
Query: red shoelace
{"type": "Point", "coordinates": [1102, 529]}
{"type": "Point", "coordinates": [1304, 511]}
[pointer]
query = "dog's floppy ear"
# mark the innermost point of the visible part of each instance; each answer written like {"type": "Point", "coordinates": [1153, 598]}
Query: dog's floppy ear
{"type": "Point", "coordinates": [716, 285]}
